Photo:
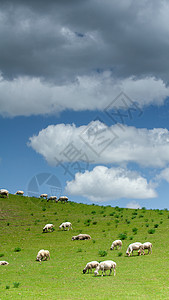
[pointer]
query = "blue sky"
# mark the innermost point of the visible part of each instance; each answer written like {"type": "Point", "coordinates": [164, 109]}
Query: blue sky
{"type": "Point", "coordinates": [84, 101]}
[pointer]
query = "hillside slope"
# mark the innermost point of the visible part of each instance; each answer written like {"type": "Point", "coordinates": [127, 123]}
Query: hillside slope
{"type": "Point", "coordinates": [22, 220]}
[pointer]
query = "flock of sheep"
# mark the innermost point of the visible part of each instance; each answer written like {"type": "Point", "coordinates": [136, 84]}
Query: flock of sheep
{"type": "Point", "coordinates": [104, 265]}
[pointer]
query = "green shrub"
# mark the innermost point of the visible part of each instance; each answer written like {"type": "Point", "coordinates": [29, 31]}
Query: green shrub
{"type": "Point", "coordinates": [147, 225]}
{"type": "Point", "coordinates": [16, 284]}
{"type": "Point", "coordinates": [122, 236]}
{"type": "Point", "coordinates": [120, 253]}
{"type": "Point", "coordinates": [94, 223]}
{"type": "Point", "coordinates": [44, 208]}
{"type": "Point", "coordinates": [151, 231]}
{"type": "Point", "coordinates": [135, 230]}
{"type": "Point", "coordinates": [7, 287]}
{"type": "Point", "coordinates": [93, 212]}
{"type": "Point", "coordinates": [102, 253]}
{"type": "Point", "coordinates": [104, 215]}
{"type": "Point", "coordinates": [131, 238]}
{"type": "Point", "coordinates": [1, 254]}
{"type": "Point", "coordinates": [117, 221]}
{"type": "Point", "coordinates": [8, 224]}
{"type": "Point", "coordinates": [79, 250]}
{"type": "Point", "coordinates": [141, 216]}
{"type": "Point", "coordinates": [112, 214]}
{"type": "Point", "coordinates": [156, 225]}
{"type": "Point", "coordinates": [93, 241]}
{"type": "Point", "coordinates": [17, 249]}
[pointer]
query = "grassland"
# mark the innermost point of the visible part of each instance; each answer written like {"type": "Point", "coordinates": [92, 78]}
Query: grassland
{"type": "Point", "coordinates": [21, 237]}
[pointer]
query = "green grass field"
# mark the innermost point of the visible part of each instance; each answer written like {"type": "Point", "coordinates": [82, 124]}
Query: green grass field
{"type": "Point", "coordinates": [137, 277]}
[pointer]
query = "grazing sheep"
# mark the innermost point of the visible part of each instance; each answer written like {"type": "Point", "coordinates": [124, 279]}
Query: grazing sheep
{"type": "Point", "coordinates": [48, 227]}
{"type": "Point", "coordinates": [19, 193]}
{"type": "Point", "coordinates": [44, 196]}
{"type": "Point", "coordinates": [115, 244]}
{"type": "Point", "coordinates": [66, 225]}
{"type": "Point", "coordinates": [90, 265]}
{"type": "Point", "coordinates": [52, 198]}
{"type": "Point", "coordinates": [148, 246]}
{"type": "Point", "coordinates": [63, 199]}
{"type": "Point", "coordinates": [104, 266]}
{"type": "Point", "coordinates": [81, 236]}
{"type": "Point", "coordinates": [135, 246]}
{"type": "Point", "coordinates": [43, 255]}
{"type": "Point", "coordinates": [3, 262]}
{"type": "Point", "coordinates": [4, 192]}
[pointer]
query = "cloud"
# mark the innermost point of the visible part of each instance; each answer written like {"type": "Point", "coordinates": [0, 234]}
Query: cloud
{"type": "Point", "coordinates": [133, 204]}
{"type": "Point", "coordinates": [31, 96]}
{"type": "Point", "coordinates": [100, 144]}
{"type": "Point", "coordinates": [163, 175]}
{"type": "Point", "coordinates": [65, 52]}
{"type": "Point", "coordinates": [103, 184]}
{"type": "Point", "coordinates": [59, 41]}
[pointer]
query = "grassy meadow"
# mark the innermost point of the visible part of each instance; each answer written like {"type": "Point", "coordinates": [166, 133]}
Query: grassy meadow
{"type": "Point", "coordinates": [61, 277]}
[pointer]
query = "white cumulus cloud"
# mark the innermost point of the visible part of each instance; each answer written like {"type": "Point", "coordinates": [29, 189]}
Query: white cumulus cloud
{"type": "Point", "coordinates": [103, 184]}
{"type": "Point", "coordinates": [133, 204]}
{"type": "Point", "coordinates": [100, 144]}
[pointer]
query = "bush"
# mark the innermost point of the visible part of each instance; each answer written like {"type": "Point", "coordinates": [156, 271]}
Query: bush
{"type": "Point", "coordinates": [1, 254]}
{"type": "Point", "coordinates": [16, 284]}
{"type": "Point", "coordinates": [151, 231]}
{"type": "Point", "coordinates": [156, 225]}
{"type": "Point", "coordinates": [122, 236]}
{"type": "Point", "coordinates": [94, 223]}
{"type": "Point", "coordinates": [117, 221]}
{"type": "Point", "coordinates": [147, 225]}
{"type": "Point", "coordinates": [79, 250]}
{"type": "Point", "coordinates": [8, 224]}
{"type": "Point", "coordinates": [7, 287]}
{"type": "Point", "coordinates": [44, 208]}
{"type": "Point", "coordinates": [17, 249]}
{"type": "Point", "coordinates": [93, 212]}
{"type": "Point", "coordinates": [135, 230]}
{"type": "Point", "coordinates": [104, 216]}
{"type": "Point", "coordinates": [112, 214]}
{"type": "Point", "coordinates": [93, 241]}
{"type": "Point", "coordinates": [141, 216]}
{"type": "Point", "coordinates": [102, 253]}
{"type": "Point", "coordinates": [120, 253]}
{"type": "Point", "coordinates": [131, 238]}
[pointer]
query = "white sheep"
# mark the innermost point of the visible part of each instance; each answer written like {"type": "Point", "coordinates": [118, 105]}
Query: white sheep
{"type": "Point", "coordinates": [52, 198]}
{"type": "Point", "coordinates": [63, 199]}
{"type": "Point", "coordinates": [48, 227]}
{"type": "Point", "coordinates": [4, 192]}
{"type": "Point", "coordinates": [90, 265]}
{"type": "Point", "coordinates": [66, 225]}
{"type": "Point", "coordinates": [104, 266]}
{"type": "Point", "coordinates": [146, 245]}
{"type": "Point", "coordinates": [81, 236]}
{"type": "Point", "coordinates": [43, 255]}
{"type": "Point", "coordinates": [19, 193]}
{"type": "Point", "coordinates": [115, 244]}
{"type": "Point", "coordinates": [44, 196]}
{"type": "Point", "coordinates": [135, 246]}
{"type": "Point", "coordinates": [3, 262]}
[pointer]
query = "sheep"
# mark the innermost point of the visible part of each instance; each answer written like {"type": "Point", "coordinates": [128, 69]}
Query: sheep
{"type": "Point", "coordinates": [19, 193]}
{"type": "Point", "coordinates": [81, 236]}
{"type": "Point", "coordinates": [148, 246]}
{"type": "Point", "coordinates": [90, 265]}
{"type": "Point", "coordinates": [115, 244]}
{"type": "Point", "coordinates": [4, 192]}
{"type": "Point", "coordinates": [104, 266]}
{"type": "Point", "coordinates": [44, 196]}
{"type": "Point", "coordinates": [3, 262]}
{"type": "Point", "coordinates": [66, 225]}
{"type": "Point", "coordinates": [135, 246]}
{"type": "Point", "coordinates": [43, 255]}
{"type": "Point", "coordinates": [48, 227]}
{"type": "Point", "coordinates": [63, 199]}
{"type": "Point", "coordinates": [52, 198]}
